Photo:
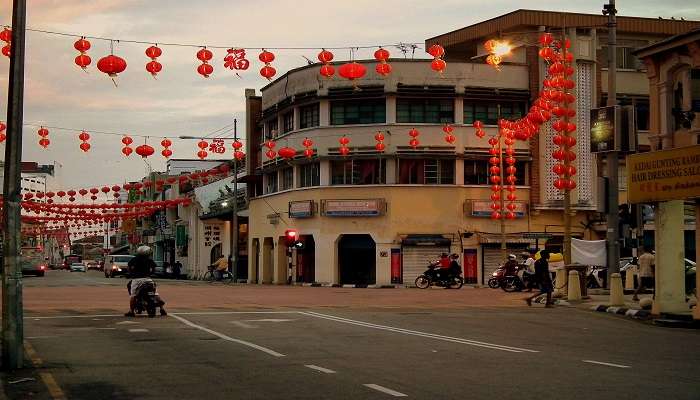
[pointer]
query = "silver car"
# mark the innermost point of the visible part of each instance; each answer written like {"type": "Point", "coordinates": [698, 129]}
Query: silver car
{"type": "Point", "coordinates": [117, 264]}
{"type": "Point", "coordinates": [78, 267]}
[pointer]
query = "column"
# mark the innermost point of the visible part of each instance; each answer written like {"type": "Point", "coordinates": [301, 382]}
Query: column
{"type": "Point", "coordinates": [297, 120]}
{"type": "Point", "coordinates": [326, 259]}
{"type": "Point", "coordinates": [670, 271]}
{"type": "Point", "coordinates": [390, 109]}
{"type": "Point", "coordinates": [325, 172]}
{"type": "Point", "coordinates": [459, 110]}
{"type": "Point", "coordinates": [391, 171]}
{"type": "Point", "coordinates": [459, 171]}
{"type": "Point", "coordinates": [324, 113]}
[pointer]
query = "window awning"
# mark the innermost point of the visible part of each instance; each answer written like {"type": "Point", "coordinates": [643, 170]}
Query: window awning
{"type": "Point", "coordinates": [489, 238]}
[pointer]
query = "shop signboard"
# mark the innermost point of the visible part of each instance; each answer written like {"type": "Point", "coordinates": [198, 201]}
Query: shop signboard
{"type": "Point", "coordinates": [664, 175]}
{"type": "Point", "coordinates": [482, 208]}
{"type": "Point", "coordinates": [605, 135]}
{"type": "Point", "coordinates": [353, 208]}
{"type": "Point", "coordinates": [301, 209]}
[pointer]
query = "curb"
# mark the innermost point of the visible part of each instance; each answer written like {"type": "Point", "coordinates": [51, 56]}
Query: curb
{"type": "Point", "coordinates": [624, 311]}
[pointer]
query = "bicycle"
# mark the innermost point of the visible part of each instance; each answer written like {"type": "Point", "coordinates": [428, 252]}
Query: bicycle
{"type": "Point", "coordinates": [212, 274]}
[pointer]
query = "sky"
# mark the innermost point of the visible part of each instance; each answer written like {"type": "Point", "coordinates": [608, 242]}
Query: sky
{"type": "Point", "coordinates": [180, 101]}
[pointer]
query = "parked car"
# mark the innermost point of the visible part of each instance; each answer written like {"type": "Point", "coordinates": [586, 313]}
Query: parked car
{"type": "Point", "coordinates": [33, 268]}
{"type": "Point", "coordinates": [116, 265]}
{"type": "Point", "coordinates": [78, 267]}
{"type": "Point", "coordinates": [92, 264]}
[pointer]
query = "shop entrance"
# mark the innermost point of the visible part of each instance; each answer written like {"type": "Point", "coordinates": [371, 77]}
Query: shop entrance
{"type": "Point", "coordinates": [306, 260]}
{"type": "Point", "coordinates": [357, 261]}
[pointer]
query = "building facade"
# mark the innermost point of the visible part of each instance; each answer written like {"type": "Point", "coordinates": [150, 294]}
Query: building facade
{"type": "Point", "coordinates": [377, 217]}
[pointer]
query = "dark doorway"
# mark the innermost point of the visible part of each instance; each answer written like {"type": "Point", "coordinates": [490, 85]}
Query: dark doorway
{"type": "Point", "coordinates": [215, 253]}
{"type": "Point", "coordinates": [306, 260]}
{"type": "Point", "coordinates": [356, 260]}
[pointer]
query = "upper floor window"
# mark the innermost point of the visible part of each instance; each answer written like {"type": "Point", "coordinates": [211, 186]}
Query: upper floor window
{"type": "Point", "coordinates": [287, 178]}
{"type": "Point", "coordinates": [624, 58]}
{"type": "Point", "coordinates": [358, 172]}
{"type": "Point", "coordinates": [353, 112]}
{"type": "Point", "coordinates": [430, 111]}
{"type": "Point", "coordinates": [476, 172]}
{"type": "Point", "coordinates": [695, 90]}
{"type": "Point", "coordinates": [271, 128]}
{"type": "Point", "coordinates": [308, 116]}
{"type": "Point", "coordinates": [426, 171]}
{"type": "Point", "coordinates": [271, 183]}
{"type": "Point", "coordinates": [487, 111]}
{"type": "Point", "coordinates": [288, 122]}
{"type": "Point", "coordinates": [309, 175]}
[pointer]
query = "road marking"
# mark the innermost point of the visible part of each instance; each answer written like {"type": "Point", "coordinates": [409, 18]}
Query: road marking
{"type": "Point", "coordinates": [41, 337]}
{"type": "Point", "coordinates": [418, 333]}
{"type": "Point", "coordinates": [243, 325]}
{"type": "Point", "coordinates": [270, 320]}
{"type": "Point", "coordinates": [126, 323]}
{"type": "Point", "coordinates": [179, 313]}
{"type": "Point", "coordinates": [54, 390]}
{"type": "Point", "coordinates": [75, 316]}
{"type": "Point", "coordinates": [321, 369]}
{"type": "Point", "coordinates": [138, 330]}
{"type": "Point", "coordinates": [230, 339]}
{"type": "Point", "coordinates": [106, 328]}
{"type": "Point", "coordinates": [608, 364]}
{"type": "Point", "coordinates": [385, 390]}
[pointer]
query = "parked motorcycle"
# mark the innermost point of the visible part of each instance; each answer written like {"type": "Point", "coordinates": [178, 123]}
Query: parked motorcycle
{"type": "Point", "coordinates": [438, 277]}
{"type": "Point", "coordinates": [518, 282]}
{"type": "Point", "coordinates": [596, 276]}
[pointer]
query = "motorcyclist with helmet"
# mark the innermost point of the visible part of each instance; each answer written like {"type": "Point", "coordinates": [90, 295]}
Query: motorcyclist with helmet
{"type": "Point", "coordinates": [140, 269]}
{"type": "Point", "coordinates": [511, 266]}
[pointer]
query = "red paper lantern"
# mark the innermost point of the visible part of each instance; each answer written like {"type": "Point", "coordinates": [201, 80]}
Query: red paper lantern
{"type": "Point", "coordinates": [308, 153]}
{"type": "Point", "coordinates": [237, 145]}
{"type": "Point", "coordinates": [205, 70]}
{"type": "Point", "coordinates": [380, 146]}
{"type": "Point", "coordinates": [382, 55]}
{"type": "Point", "coordinates": [327, 70]}
{"type": "Point", "coordinates": [126, 140]}
{"type": "Point", "coordinates": [352, 71]}
{"type": "Point", "coordinates": [268, 72]}
{"type": "Point", "coordinates": [270, 154]}
{"type": "Point", "coordinates": [270, 144]}
{"type": "Point", "coordinates": [450, 138]}
{"type": "Point", "coordinates": [559, 184]}
{"type": "Point", "coordinates": [570, 184]}
{"type": "Point", "coordinates": [145, 150]}
{"type": "Point", "coordinates": [478, 125]}
{"type": "Point", "coordinates": [202, 144]}
{"type": "Point", "coordinates": [267, 57]}
{"type": "Point", "coordinates": [44, 142]}
{"type": "Point", "coordinates": [436, 51]}
{"type": "Point", "coordinates": [344, 141]}
{"type": "Point", "coordinates": [413, 132]}
{"type": "Point", "coordinates": [166, 153]}
{"type": "Point", "coordinates": [414, 142]}
{"type": "Point", "coordinates": [438, 65]}
{"type": "Point", "coordinates": [379, 136]}
{"type": "Point", "coordinates": [383, 69]}
{"type": "Point", "coordinates": [325, 56]}
{"type": "Point", "coordinates": [495, 215]}
{"type": "Point", "coordinates": [111, 65]}
{"type": "Point", "coordinates": [127, 151]}
{"type": "Point", "coordinates": [202, 154]}
{"type": "Point", "coordinates": [85, 146]}
{"type": "Point", "coordinates": [82, 60]}
{"type": "Point", "coordinates": [95, 190]}
{"type": "Point", "coordinates": [344, 151]}
{"type": "Point", "coordinates": [558, 169]}
{"type": "Point", "coordinates": [83, 192]}
{"type": "Point", "coordinates": [287, 153]}
{"type": "Point", "coordinates": [204, 55]}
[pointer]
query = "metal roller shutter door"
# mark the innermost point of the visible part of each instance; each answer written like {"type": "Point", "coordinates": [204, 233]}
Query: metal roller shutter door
{"type": "Point", "coordinates": [492, 259]}
{"type": "Point", "coordinates": [416, 258]}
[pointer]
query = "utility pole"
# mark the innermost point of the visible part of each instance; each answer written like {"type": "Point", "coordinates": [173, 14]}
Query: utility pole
{"type": "Point", "coordinates": [234, 217]}
{"type": "Point", "coordinates": [12, 316]}
{"type": "Point", "coordinates": [612, 237]}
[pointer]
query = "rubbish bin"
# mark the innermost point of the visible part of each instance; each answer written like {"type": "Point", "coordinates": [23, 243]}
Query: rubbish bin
{"type": "Point", "coordinates": [581, 269]}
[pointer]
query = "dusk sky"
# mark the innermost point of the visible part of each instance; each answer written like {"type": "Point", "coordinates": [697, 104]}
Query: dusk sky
{"type": "Point", "coordinates": [180, 101]}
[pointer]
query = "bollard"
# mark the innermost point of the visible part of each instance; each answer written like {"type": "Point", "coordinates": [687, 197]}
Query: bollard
{"type": "Point", "coordinates": [617, 297]}
{"type": "Point", "coordinates": [629, 278]}
{"type": "Point", "coordinates": [560, 283]}
{"type": "Point", "coordinates": [574, 287]}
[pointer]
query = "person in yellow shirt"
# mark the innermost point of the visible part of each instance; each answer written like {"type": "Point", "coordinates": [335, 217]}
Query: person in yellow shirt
{"type": "Point", "coordinates": [221, 265]}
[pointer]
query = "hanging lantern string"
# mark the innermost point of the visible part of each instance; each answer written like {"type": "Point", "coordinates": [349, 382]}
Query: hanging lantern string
{"type": "Point", "coordinates": [208, 135]}
{"type": "Point", "coordinates": [149, 42]}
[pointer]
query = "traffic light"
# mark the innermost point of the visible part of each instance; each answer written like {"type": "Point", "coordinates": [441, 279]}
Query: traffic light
{"type": "Point", "coordinates": [291, 238]}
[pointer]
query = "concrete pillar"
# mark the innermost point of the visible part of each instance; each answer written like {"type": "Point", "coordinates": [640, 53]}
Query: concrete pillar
{"type": "Point", "coordinates": [281, 267]}
{"type": "Point", "coordinates": [326, 260]}
{"type": "Point", "coordinates": [390, 109]}
{"type": "Point", "coordinates": [459, 110]}
{"type": "Point", "coordinates": [324, 113]}
{"type": "Point", "coordinates": [629, 277]}
{"type": "Point", "coordinates": [267, 261]}
{"type": "Point", "coordinates": [383, 263]}
{"type": "Point", "coordinates": [297, 119]}
{"type": "Point", "coordinates": [560, 283]}
{"type": "Point", "coordinates": [617, 297]}
{"type": "Point", "coordinates": [390, 171]}
{"type": "Point", "coordinates": [696, 310]}
{"type": "Point", "coordinates": [670, 271]}
{"type": "Point", "coordinates": [574, 287]}
{"type": "Point", "coordinates": [459, 172]}
{"type": "Point", "coordinates": [324, 172]}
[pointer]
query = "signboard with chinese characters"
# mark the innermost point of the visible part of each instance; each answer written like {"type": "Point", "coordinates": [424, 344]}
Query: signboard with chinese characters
{"type": "Point", "coordinates": [212, 235]}
{"type": "Point", "coordinates": [664, 175]}
{"type": "Point", "coordinates": [604, 130]}
{"type": "Point", "coordinates": [353, 208]}
{"type": "Point", "coordinates": [301, 209]}
{"type": "Point", "coordinates": [482, 208]}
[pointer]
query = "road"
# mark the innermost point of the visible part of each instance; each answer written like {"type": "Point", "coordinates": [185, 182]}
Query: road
{"type": "Point", "coordinates": [252, 342]}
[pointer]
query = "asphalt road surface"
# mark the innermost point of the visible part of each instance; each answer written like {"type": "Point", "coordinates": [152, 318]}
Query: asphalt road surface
{"type": "Point", "coordinates": [339, 351]}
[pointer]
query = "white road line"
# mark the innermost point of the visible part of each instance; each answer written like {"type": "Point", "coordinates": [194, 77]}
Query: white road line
{"type": "Point", "coordinates": [241, 324]}
{"type": "Point", "coordinates": [236, 312]}
{"type": "Point", "coordinates": [230, 339]}
{"type": "Point", "coordinates": [418, 333]}
{"type": "Point", "coordinates": [321, 369]}
{"type": "Point", "coordinates": [138, 330]}
{"type": "Point", "coordinates": [270, 320]}
{"type": "Point", "coordinates": [607, 364]}
{"type": "Point", "coordinates": [385, 390]}
{"type": "Point", "coordinates": [75, 316]}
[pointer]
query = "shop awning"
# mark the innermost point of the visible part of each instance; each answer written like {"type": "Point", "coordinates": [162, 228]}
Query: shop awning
{"type": "Point", "coordinates": [496, 238]}
{"type": "Point", "coordinates": [425, 240]}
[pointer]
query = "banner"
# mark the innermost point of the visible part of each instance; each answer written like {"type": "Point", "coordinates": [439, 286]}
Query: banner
{"type": "Point", "coordinates": [588, 252]}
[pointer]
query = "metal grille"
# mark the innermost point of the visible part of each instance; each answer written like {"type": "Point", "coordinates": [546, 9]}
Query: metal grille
{"type": "Point", "coordinates": [584, 95]}
{"type": "Point", "coordinates": [415, 260]}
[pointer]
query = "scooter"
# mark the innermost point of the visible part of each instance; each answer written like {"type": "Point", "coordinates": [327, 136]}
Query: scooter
{"type": "Point", "coordinates": [148, 300]}
{"type": "Point", "coordinates": [496, 277]}
{"type": "Point", "coordinates": [518, 282]}
{"type": "Point", "coordinates": [438, 277]}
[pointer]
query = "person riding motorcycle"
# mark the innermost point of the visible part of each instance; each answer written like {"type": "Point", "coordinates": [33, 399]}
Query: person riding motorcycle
{"type": "Point", "coordinates": [140, 269]}
{"type": "Point", "coordinates": [511, 266]}
{"type": "Point", "coordinates": [455, 269]}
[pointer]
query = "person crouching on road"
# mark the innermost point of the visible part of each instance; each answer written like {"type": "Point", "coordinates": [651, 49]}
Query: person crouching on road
{"type": "Point", "coordinates": [140, 269]}
{"type": "Point", "coordinates": [544, 279]}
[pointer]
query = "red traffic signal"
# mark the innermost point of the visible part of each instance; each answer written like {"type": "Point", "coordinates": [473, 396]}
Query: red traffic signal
{"type": "Point", "coordinates": [291, 236]}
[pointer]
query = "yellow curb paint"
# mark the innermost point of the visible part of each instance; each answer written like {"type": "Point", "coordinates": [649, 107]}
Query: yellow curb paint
{"type": "Point", "coordinates": [48, 379]}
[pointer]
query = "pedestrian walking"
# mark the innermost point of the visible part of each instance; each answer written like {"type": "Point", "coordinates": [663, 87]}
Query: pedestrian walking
{"type": "Point", "coordinates": [544, 280]}
{"type": "Point", "coordinates": [646, 272]}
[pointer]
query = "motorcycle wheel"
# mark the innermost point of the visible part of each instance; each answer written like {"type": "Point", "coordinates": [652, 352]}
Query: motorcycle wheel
{"type": "Point", "coordinates": [422, 282]}
{"type": "Point", "coordinates": [457, 283]}
{"type": "Point", "coordinates": [509, 285]}
{"type": "Point", "coordinates": [151, 308]}
{"type": "Point", "coordinates": [493, 283]}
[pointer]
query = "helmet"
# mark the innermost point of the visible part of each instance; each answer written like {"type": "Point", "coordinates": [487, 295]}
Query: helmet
{"type": "Point", "coordinates": [143, 251]}
{"type": "Point", "coordinates": [454, 256]}
{"type": "Point", "coordinates": [511, 256]}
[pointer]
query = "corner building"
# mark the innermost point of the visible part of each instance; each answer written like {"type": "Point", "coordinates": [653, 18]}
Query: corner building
{"type": "Point", "coordinates": [377, 218]}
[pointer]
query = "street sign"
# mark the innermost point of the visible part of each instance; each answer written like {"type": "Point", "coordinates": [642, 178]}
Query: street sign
{"type": "Point", "coordinates": [664, 175]}
{"type": "Point", "coordinates": [301, 209]}
{"type": "Point", "coordinates": [353, 208]}
{"type": "Point", "coordinates": [605, 130]}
